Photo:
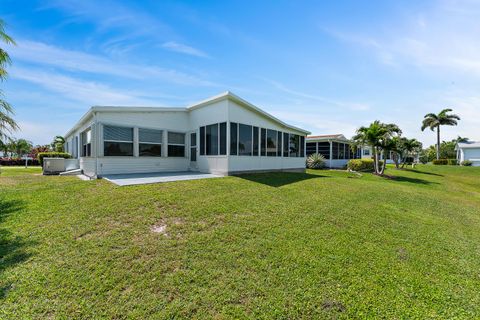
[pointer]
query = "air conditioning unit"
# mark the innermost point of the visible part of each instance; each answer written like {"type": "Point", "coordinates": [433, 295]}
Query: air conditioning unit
{"type": "Point", "coordinates": [53, 165]}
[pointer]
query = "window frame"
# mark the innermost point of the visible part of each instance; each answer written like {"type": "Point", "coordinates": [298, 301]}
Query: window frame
{"type": "Point", "coordinates": [118, 141]}
{"type": "Point", "coordinates": [184, 145]}
{"type": "Point", "coordinates": [140, 142]}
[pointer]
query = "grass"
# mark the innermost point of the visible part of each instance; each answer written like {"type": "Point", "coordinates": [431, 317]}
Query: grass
{"type": "Point", "coordinates": [325, 244]}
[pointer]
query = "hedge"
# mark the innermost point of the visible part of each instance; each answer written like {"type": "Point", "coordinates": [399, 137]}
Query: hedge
{"type": "Point", "coordinates": [467, 163]}
{"type": "Point", "coordinates": [444, 162]}
{"type": "Point", "coordinates": [17, 162]}
{"type": "Point", "coordinates": [42, 155]}
{"type": "Point", "coordinates": [362, 164]}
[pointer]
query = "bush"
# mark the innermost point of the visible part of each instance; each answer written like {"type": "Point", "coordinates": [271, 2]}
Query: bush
{"type": "Point", "coordinates": [315, 161]}
{"type": "Point", "coordinates": [467, 163]}
{"type": "Point", "coordinates": [17, 162]}
{"type": "Point", "coordinates": [444, 162]}
{"type": "Point", "coordinates": [362, 164]}
{"type": "Point", "coordinates": [452, 162]}
{"type": "Point", "coordinates": [440, 162]}
{"type": "Point", "coordinates": [42, 155]}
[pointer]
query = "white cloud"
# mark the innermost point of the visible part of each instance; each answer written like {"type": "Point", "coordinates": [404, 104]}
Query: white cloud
{"type": "Point", "coordinates": [86, 92]}
{"type": "Point", "coordinates": [355, 106]}
{"type": "Point", "coordinates": [181, 48]}
{"type": "Point", "coordinates": [45, 54]}
{"type": "Point", "coordinates": [40, 133]}
{"type": "Point", "coordinates": [444, 38]}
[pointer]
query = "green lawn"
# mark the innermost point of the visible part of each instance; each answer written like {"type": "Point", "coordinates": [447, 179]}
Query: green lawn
{"type": "Point", "coordinates": [325, 244]}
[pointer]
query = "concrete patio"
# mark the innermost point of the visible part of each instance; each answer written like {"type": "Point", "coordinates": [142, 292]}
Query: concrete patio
{"type": "Point", "coordinates": [155, 177]}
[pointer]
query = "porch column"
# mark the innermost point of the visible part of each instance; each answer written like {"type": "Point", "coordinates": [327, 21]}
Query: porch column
{"type": "Point", "coordinates": [331, 153]}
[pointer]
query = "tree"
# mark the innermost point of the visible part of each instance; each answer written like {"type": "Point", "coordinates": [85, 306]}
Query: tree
{"type": "Point", "coordinates": [58, 143]}
{"type": "Point", "coordinates": [434, 121]}
{"type": "Point", "coordinates": [410, 148]}
{"type": "Point", "coordinates": [378, 136]}
{"type": "Point", "coordinates": [7, 123]}
{"type": "Point", "coordinates": [21, 147]}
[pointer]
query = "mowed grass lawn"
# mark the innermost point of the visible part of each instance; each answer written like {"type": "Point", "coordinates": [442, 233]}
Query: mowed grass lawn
{"type": "Point", "coordinates": [324, 244]}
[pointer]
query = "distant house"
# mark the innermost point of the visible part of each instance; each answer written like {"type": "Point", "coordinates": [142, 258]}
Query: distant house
{"type": "Point", "coordinates": [468, 151]}
{"type": "Point", "coordinates": [335, 148]}
{"type": "Point", "coordinates": [224, 135]}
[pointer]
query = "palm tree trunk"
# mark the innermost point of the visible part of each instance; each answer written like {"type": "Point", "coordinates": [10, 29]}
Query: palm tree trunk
{"type": "Point", "coordinates": [384, 163]}
{"type": "Point", "coordinates": [438, 142]}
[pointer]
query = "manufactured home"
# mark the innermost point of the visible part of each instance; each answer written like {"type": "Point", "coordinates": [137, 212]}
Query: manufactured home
{"type": "Point", "coordinates": [335, 148]}
{"type": "Point", "coordinates": [222, 135]}
{"type": "Point", "coordinates": [468, 151]}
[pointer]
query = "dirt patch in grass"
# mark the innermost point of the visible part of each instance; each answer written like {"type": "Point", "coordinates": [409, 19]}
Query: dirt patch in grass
{"type": "Point", "coordinates": [332, 305]}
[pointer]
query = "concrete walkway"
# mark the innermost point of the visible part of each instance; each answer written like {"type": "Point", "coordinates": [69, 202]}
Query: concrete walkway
{"type": "Point", "coordinates": [155, 177]}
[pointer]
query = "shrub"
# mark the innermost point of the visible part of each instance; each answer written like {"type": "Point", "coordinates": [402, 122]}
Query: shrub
{"type": "Point", "coordinates": [315, 161]}
{"type": "Point", "coordinates": [440, 162]}
{"type": "Point", "coordinates": [17, 162]}
{"type": "Point", "coordinates": [42, 155]}
{"type": "Point", "coordinates": [362, 164]}
{"type": "Point", "coordinates": [467, 163]}
{"type": "Point", "coordinates": [452, 162]}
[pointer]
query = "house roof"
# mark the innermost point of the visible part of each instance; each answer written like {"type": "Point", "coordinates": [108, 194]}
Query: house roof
{"type": "Point", "coordinates": [326, 137]}
{"type": "Point", "coordinates": [467, 145]}
{"type": "Point", "coordinates": [223, 96]}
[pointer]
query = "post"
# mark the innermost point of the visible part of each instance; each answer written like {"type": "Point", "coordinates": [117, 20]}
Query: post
{"type": "Point", "coordinates": [331, 153]}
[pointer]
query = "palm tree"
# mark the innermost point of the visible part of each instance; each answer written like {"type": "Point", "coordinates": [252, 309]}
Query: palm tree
{"type": "Point", "coordinates": [58, 143]}
{"type": "Point", "coordinates": [409, 147]}
{"type": "Point", "coordinates": [21, 147]}
{"type": "Point", "coordinates": [378, 136]}
{"type": "Point", "coordinates": [7, 124]}
{"type": "Point", "coordinates": [434, 121]}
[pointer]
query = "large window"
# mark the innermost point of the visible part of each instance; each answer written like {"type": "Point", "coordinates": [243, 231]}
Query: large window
{"type": "Point", "coordinates": [311, 148]}
{"type": "Point", "coordinates": [213, 139]}
{"type": "Point", "coordinates": [223, 138]}
{"type": "Point", "coordinates": [176, 144]}
{"type": "Point", "coordinates": [86, 141]}
{"type": "Point", "coordinates": [279, 144]}
{"type": "Point", "coordinates": [335, 150]}
{"type": "Point", "coordinates": [263, 143]}
{"type": "Point", "coordinates": [294, 145]}
{"type": "Point", "coordinates": [244, 140]}
{"type": "Point", "coordinates": [302, 146]}
{"type": "Point", "coordinates": [271, 143]}
{"type": "Point", "coordinates": [341, 151]}
{"type": "Point", "coordinates": [117, 141]}
{"type": "Point", "coordinates": [256, 140]}
{"type": "Point", "coordinates": [286, 143]}
{"type": "Point", "coordinates": [149, 143]}
{"type": "Point", "coordinates": [324, 149]}
{"type": "Point", "coordinates": [233, 138]}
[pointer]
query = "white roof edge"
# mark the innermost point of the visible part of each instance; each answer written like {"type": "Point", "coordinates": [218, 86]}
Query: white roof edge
{"type": "Point", "coordinates": [234, 97]}
{"type": "Point", "coordinates": [220, 97]}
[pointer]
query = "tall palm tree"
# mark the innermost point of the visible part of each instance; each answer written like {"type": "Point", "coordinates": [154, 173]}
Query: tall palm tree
{"type": "Point", "coordinates": [58, 143]}
{"type": "Point", "coordinates": [378, 136]}
{"type": "Point", "coordinates": [434, 121]}
{"type": "Point", "coordinates": [7, 123]}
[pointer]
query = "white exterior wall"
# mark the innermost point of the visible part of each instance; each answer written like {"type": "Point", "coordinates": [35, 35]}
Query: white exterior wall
{"type": "Point", "coordinates": [214, 113]}
{"type": "Point", "coordinates": [472, 154]}
{"type": "Point", "coordinates": [178, 120]}
{"type": "Point", "coordinates": [238, 114]}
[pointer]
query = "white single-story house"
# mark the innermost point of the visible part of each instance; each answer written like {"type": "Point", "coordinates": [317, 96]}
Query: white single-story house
{"type": "Point", "coordinates": [468, 151]}
{"type": "Point", "coordinates": [222, 135]}
{"type": "Point", "coordinates": [335, 148]}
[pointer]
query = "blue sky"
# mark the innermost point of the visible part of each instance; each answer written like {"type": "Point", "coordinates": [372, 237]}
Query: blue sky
{"type": "Point", "coordinates": [329, 67]}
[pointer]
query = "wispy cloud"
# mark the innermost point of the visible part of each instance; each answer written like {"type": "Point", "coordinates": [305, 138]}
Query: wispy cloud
{"type": "Point", "coordinates": [443, 38]}
{"type": "Point", "coordinates": [182, 48]}
{"type": "Point", "coordinates": [45, 54]}
{"type": "Point", "coordinates": [325, 101]}
{"type": "Point", "coordinates": [85, 92]}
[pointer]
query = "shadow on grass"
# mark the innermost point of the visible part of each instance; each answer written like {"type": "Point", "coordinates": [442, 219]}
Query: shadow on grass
{"type": "Point", "coordinates": [279, 179]}
{"type": "Point", "coordinates": [12, 248]}
{"type": "Point", "coordinates": [413, 180]}
{"type": "Point", "coordinates": [423, 172]}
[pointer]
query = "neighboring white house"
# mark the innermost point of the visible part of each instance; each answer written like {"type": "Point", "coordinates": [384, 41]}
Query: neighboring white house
{"type": "Point", "coordinates": [224, 135]}
{"type": "Point", "coordinates": [335, 148]}
{"type": "Point", "coordinates": [468, 151]}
